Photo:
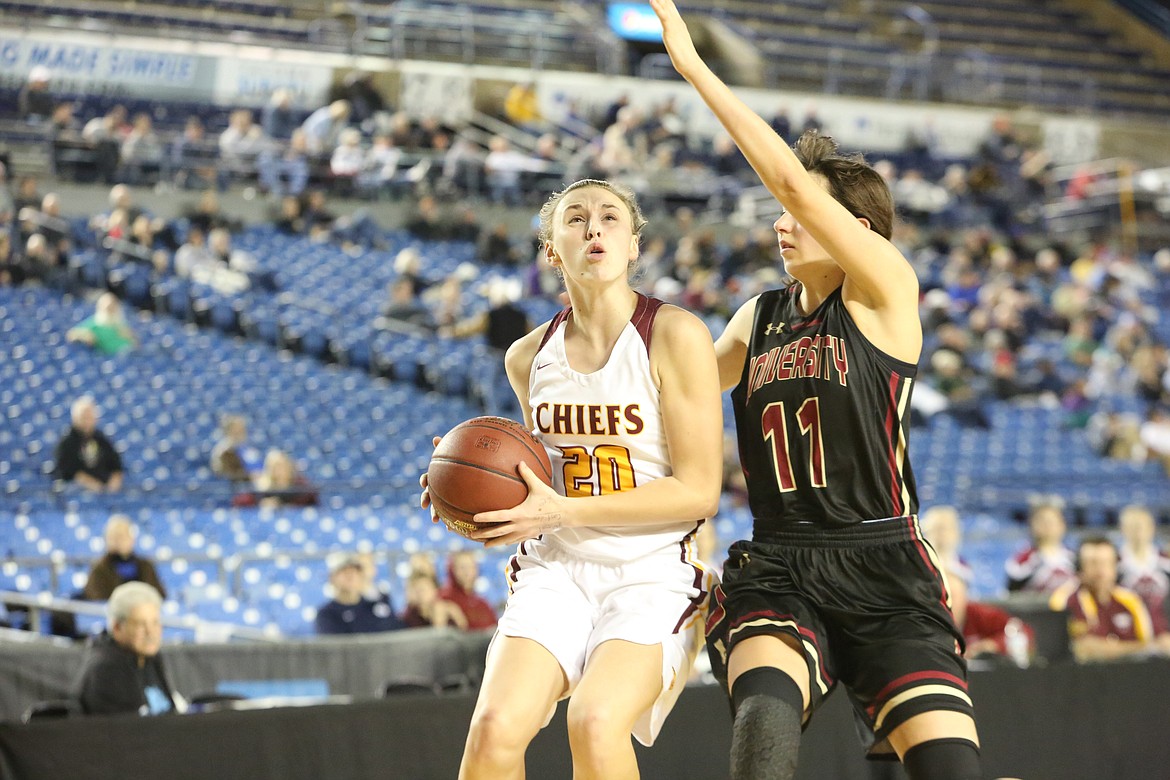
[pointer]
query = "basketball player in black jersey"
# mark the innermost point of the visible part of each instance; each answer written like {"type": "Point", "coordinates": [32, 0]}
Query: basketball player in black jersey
{"type": "Point", "coordinates": [837, 583]}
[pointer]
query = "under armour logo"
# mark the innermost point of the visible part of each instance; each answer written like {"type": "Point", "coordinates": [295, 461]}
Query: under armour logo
{"type": "Point", "coordinates": [772, 329]}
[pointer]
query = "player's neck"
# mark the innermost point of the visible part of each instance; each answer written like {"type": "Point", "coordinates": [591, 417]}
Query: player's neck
{"type": "Point", "coordinates": [600, 316]}
{"type": "Point", "coordinates": [816, 289]}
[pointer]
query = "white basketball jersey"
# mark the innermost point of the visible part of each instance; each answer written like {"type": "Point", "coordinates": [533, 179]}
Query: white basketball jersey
{"type": "Point", "coordinates": [604, 433]}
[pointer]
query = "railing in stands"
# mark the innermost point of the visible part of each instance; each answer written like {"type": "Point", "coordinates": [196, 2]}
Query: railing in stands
{"type": "Point", "coordinates": [38, 606]}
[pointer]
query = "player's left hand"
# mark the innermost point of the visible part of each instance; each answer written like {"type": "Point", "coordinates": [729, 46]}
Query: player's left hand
{"type": "Point", "coordinates": [676, 37]}
{"type": "Point", "coordinates": [425, 499]}
{"type": "Point", "coordinates": [543, 510]}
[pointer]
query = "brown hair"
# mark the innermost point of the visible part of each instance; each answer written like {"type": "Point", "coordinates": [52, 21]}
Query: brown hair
{"type": "Point", "coordinates": [625, 193]}
{"type": "Point", "coordinates": [852, 182]}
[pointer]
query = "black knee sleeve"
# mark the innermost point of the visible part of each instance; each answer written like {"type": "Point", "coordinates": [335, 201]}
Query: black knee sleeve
{"type": "Point", "coordinates": [765, 739]}
{"type": "Point", "coordinates": [943, 759]}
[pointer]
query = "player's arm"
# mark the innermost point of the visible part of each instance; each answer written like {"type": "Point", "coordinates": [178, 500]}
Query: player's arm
{"type": "Point", "coordinates": [732, 345]}
{"type": "Point", "coordinates": [683, 361]}
{"type": "Point", "coordinates": [878, 276]}
{"type": "Point", "coordinates": [518, 363]}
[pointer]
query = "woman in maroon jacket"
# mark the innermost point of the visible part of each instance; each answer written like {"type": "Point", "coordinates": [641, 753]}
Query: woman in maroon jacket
{"type": "Point", "coordinates": [462, 571]}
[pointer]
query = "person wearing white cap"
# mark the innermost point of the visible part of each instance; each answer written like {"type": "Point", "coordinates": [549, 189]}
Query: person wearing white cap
{"type": "Point", "coordinates": [35, 103]}
{"type": "Point", "coordinates": [351, 612]}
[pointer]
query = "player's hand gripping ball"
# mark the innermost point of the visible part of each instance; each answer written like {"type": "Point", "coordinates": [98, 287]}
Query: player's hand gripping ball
{"type": "Point", "coordinates": [475, 468]}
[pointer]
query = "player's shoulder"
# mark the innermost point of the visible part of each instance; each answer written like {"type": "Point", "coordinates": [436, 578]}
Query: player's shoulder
{"type": "Point", "coordinates": [675, 326]}
{"type": "Point", "coordinates": [523, 350]}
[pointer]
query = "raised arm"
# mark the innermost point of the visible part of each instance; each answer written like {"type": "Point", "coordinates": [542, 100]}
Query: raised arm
{"type": "Point", "coordinates": [880, 277]}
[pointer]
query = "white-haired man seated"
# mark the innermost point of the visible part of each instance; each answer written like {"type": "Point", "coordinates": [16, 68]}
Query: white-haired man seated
{"type": "Point", "coordinates": [123, 671]}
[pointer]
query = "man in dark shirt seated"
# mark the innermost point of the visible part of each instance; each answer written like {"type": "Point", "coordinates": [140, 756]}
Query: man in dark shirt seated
{"type": "Point", "coordinates": [120, 564]}
{"type": "Point", "coordinates": [123, 671]}
{"type": "Point", "coordinates": [351, 611]}
{"type": "Point", "coordinates": [84, 455]}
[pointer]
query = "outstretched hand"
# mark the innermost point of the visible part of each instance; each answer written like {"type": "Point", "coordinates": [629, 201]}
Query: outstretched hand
{"type": "Point", "coordinates": [676, 37]}
{"type": "Point", "coordinates": [543, 510]}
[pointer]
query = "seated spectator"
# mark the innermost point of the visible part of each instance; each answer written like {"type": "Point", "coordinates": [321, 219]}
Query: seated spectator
{"type": "Point", "coordinates": [42, 263]}
{"type": "Point", "coordinates": [284, 170]}
{"type": "Point", "coordinates": [141, 244]}
{"type": "Point", "coordinates": [462, 573]}
{"type": "Point", "coordinates": [495, 247]}
{"type": "Point", "coordinates": [278, 119]}
{"type": "Point", "coordinates": [232, 457]}
{"type": "Point", "coordinates": [466, 226]}
{"type": "Point", "coordinates": [1143, 567]}
{"type": "Point", "coordinates": [28, 194]}
{"type": "Point", "coordinates": [348, 157]}
{"type": "Point", "coordinates": [427, 222]}
{"type": "Point", "coordinates": [48, 222]}
{"type": "Point", "coordinates": [404, 310]}
{"type": "Point", "coordinates": [1046, 564]}
{"type": "Point", "coordinates": [502, 168]}
{"type": "Point", "coordinates": [989, 630]}
{"type": "Point", "coordinates": [123, 671]}
{"type": "Point", "coordinates": [323, 127]}
{"type": "Point", "coordinates": [502, 323]}
{"type": "Point", "coordinates": [1105, 620]}
{"type": "Point", "coordinates": [107, 330]}
{"type": "Point", "coordinates": [142, 151]}
{"type": "Point", "coordinates": [408, 265]}
{"type": "Point", "coordinates": [104, 135]}
{"type": "Point", "coordinates": [379, 174]}
{"type": "Point", "coordinates": [85, 455]}
{"type": "Point", "coordinates": [208, 214]}
{"type": "Point", "coordinates": [194, 252]}
{"type": "Point", "coordinates": [291, 221]}
{"type": "Point", "coordinates": [424, 606]}
{"type": "Point", "coordinates": [68, 151]}
{"type": "Point", "coordinates": [35, 102]}
{"type": "Point", "coordinates": [279, 484]}
{"type": "Point", "coordinates": [239, 145]}
{"type": "Point", "coordinates": [232, 270]}
{"type": "Point", "coordinates": [120, 564]}
{"type": "Point", "coordinates": [193, 158]}
{"type": "Point", "coordinates": [352, 610]}
{"type": "Point", "coordinates": [356, 229]}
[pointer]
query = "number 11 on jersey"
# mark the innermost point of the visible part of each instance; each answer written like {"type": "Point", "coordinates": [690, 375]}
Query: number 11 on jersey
{"type": "Point", "coordinates": [775, 425]}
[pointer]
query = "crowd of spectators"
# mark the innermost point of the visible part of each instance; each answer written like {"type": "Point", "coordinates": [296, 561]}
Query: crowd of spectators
{"type": "Point", "coordinates": [1010, 314]}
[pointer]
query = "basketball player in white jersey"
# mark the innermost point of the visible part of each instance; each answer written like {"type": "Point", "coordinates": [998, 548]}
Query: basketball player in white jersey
{"type": "Point", "coordinates": [607, 591]}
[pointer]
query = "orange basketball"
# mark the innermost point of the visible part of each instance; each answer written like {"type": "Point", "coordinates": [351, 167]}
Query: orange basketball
{"type": "Point", "coordinates": [475, 469]}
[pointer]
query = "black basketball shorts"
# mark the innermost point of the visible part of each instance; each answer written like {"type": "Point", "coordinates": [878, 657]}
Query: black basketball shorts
{"type": "Point", "coordinates": [868, 604]}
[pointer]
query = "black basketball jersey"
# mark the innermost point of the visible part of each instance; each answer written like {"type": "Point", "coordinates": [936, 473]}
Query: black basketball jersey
{"type": "Point", "coordinates": [823, 419]}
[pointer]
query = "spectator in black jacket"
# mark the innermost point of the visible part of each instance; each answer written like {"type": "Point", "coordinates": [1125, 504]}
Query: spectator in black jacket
{"type": "Point", "coordinates": [123, 670]}
{"type": "Point", "coordinates": [85, 455]}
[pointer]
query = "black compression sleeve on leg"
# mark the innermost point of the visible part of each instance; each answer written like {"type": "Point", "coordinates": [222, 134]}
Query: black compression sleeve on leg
{"type": "Point", "coordinates": [765, 738]}
{"type": "Point", "coordinates": [943, 759]}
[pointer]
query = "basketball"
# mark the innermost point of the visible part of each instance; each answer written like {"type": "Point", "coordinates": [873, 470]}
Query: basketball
{"type": "Point", "coordinates": [475, 469]}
